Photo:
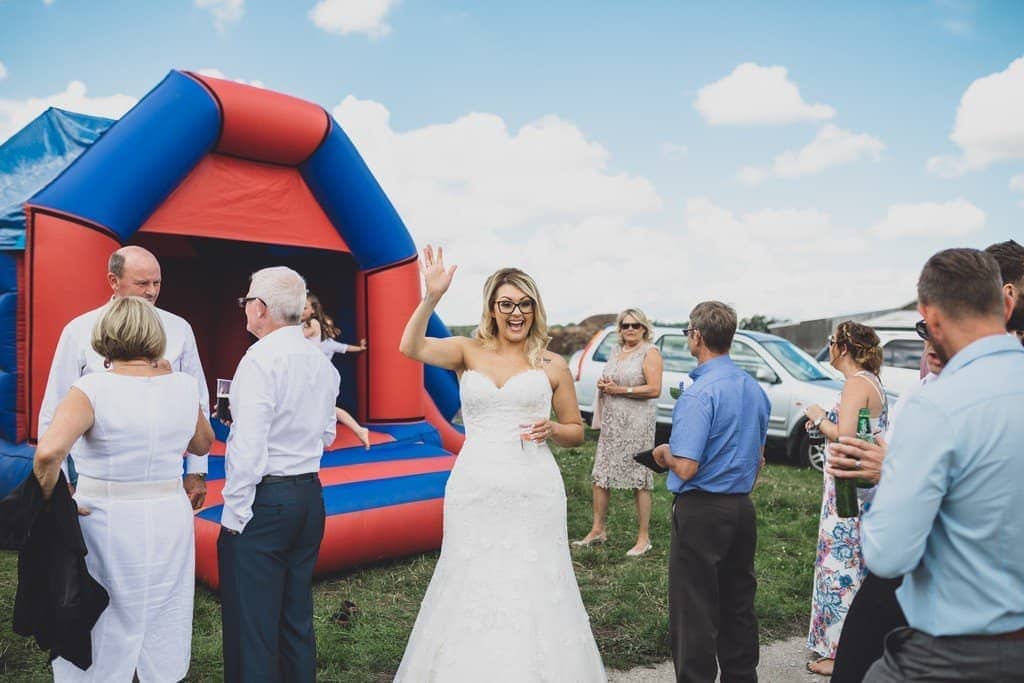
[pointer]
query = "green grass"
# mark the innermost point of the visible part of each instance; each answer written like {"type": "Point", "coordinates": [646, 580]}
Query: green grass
{"type": "Point", "coordinates": [627, 599]}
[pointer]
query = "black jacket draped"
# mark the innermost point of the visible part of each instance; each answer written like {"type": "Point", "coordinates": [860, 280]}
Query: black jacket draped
{"type": "Point", "coordinates": [57, 601]}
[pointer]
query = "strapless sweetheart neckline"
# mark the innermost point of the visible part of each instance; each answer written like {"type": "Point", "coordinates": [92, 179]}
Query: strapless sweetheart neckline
{"type": "Point", "coordinates": [507, 381]}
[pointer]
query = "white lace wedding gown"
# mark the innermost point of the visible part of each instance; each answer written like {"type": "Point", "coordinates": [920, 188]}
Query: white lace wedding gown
{"type": "Point", "coordinates": [503, 604]}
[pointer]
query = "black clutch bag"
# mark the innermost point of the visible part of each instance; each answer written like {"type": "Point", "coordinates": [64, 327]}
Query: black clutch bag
{"type": "Point", "coordinates": [646, 458]}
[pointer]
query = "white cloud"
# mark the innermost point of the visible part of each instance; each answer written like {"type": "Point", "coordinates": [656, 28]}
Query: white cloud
{"type": "Point", "coordinates": [353, 16]}
{"type": "Point", "coordinates": [782, 262]}
{"type": "Point", "coordinates": [832, 146]}
{"type": "Point", "coordinates": [217, 73]}
{"type": "Point", "coordinates": [930, 219]}
{"type": "Point", "coordinates": [989, 124]}
{"type": "Point", "coordinates": [1017, 185]}
{"type": "Point", "coordinates": [473, 174]}
{"type": "Point", "coordinates": [541, 197]}
{"type": "Point", "coordinates": [3, 71]}
{"type": "Point", "coordinates": [224, 11]}
{"type": "Point", "coordinates": [14, 114]}
{"type": "Point", "coordinates": [674, 150]}
{"type": "Point", "coordinates": [756, 95]}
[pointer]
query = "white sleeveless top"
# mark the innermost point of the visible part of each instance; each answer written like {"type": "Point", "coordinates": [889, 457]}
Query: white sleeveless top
{"type": "Point", "coordinates": [142, 426]}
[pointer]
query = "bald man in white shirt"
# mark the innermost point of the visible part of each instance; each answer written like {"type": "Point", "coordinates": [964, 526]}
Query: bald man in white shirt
{"type": "Point", "coordinates": [131, 271]}
{"type": "Point", "coordinates": [282, 407]}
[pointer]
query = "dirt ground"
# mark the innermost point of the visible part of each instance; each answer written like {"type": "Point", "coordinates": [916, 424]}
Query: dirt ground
{"type": "Point", "coordinates": [781, 662]}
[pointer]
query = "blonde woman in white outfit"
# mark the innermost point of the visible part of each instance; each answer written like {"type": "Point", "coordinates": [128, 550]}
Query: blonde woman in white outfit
{"type": "Point", "coordinates": [130, 428]}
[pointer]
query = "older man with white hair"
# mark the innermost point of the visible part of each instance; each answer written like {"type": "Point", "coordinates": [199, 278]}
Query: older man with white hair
{"type": "Point", "coordinates": [282, 406]}
{"type": "Point", "coordinates": [131, 271]}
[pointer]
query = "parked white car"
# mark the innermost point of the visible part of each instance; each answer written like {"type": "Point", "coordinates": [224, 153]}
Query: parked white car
{"type": "Point", "coordinates": [791, 378]}
{"type": "Point", "coordinates": [901, 350]}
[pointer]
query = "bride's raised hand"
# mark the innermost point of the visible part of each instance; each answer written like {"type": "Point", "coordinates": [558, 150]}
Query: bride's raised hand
{"type": "Point", "coordinates": [436, 279]}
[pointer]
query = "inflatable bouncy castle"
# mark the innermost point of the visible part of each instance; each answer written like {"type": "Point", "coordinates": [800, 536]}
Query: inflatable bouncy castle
{"type": "Point", "coordinates": [219, 179]}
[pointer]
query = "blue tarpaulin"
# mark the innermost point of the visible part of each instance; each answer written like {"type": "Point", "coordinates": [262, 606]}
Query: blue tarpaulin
{"type": "Point", "coordinates": [36, 155]}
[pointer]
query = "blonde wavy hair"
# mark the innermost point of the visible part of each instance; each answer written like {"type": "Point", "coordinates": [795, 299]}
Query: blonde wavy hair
{"type": "Point", "coordinates": [129, 329]}
{"type": "Point", "coordinates": [640, 318]}
{"type": "Point", "coordinates": [487, 330]}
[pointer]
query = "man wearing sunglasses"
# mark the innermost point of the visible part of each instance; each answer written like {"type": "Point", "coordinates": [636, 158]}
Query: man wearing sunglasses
{"type": "Point", "coordinates": [719, 427]}
{"type": "Point", "coordinates": [131, 271]}
{"type": "Point", "coordinates": [944, 511]}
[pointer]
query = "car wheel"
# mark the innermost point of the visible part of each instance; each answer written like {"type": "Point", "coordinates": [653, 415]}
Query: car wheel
{"type": "Point", "coordinates": [811, 454]}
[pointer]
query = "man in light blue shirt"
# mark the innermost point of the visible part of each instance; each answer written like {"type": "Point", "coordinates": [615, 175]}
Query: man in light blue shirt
{"type": "Point", "coordinates": [719, 428]}
{"type": "Point", "coordinates": [948, 510]}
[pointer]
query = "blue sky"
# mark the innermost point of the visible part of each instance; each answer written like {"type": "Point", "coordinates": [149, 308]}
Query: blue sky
{"type": "Point", "coordinates": [601, 145]}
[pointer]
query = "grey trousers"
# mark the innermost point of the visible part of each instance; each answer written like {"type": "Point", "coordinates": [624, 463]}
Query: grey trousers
{"type": "Point", "coordinates": [912, 655]}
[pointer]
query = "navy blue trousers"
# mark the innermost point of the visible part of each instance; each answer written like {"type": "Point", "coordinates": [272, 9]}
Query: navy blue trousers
{"type": "Point", "coordinates": [266, 585]}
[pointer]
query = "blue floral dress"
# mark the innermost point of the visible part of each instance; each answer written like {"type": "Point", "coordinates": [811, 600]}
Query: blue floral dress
{"type": "Point", "coordinates": [839, 566]}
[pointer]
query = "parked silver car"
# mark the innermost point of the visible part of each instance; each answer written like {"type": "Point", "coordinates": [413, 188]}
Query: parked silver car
{"type": "Point", "coordinates": [901, 350]}
{"type": "Point", "coordinates": [790, 377]}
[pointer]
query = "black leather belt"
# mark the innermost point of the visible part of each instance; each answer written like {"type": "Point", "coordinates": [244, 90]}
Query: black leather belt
{"type": "Point", "coordinates": [1012, 635]}
{"type": "Point", "coordinates": [282, 478]}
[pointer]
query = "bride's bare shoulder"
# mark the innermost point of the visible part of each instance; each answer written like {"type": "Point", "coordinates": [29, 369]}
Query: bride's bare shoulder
{"type": "Point", "coordinates": [552, 360]}
{"type": "Point", "coordinates": [555, 367]}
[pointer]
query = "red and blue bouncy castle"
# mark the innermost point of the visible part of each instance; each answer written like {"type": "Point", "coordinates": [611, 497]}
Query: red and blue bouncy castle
{"type": "Point", "coordinates": [219, 179]}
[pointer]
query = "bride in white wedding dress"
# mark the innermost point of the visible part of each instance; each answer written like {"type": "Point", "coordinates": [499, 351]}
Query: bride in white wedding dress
{"type": "Point", "coordinates": [503, 604]}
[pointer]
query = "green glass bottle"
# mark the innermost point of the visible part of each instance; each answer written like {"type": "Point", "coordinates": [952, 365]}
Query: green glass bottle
{"type": "Point", "coordinates": [846, 498]}
{"type": "Point", "coordinates": [864, 434]}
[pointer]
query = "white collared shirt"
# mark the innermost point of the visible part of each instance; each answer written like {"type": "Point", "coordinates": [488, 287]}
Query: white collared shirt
{"type": "Point", "coordinates": [76, 358]}
{"type": "Point", "coordinates": [282, 406]}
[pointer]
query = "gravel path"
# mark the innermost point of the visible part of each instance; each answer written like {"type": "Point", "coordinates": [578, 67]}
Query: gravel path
{"type": "Point", "coordinates": [781, 662]}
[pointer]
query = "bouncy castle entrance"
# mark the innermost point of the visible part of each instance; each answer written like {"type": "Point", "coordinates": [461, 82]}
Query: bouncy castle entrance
{"type": "Point", "coordinates": [204, 277]}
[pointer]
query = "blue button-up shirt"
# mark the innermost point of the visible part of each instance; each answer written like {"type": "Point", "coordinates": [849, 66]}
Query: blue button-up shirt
{"type": "Point", "coordinates": [721, 422]}
{"type": "Point", "coordinates": [948, 512]}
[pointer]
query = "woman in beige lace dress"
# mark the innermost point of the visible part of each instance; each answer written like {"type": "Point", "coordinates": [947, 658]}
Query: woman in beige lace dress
{"type": "Point", "coordinates": [627, 409]}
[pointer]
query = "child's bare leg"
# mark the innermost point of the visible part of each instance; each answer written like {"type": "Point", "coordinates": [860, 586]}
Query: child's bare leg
{"type": "Point", "coordinates": [362, 432]}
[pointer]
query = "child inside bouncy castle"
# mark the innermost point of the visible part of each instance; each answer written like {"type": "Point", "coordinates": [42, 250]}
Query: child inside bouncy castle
{"type": "Point", "coordinates": [319, 329]}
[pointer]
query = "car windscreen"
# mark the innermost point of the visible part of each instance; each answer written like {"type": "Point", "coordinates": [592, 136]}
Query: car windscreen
{"type": "Point", "coordinates": [604, 349]}
{"type": "Point", "coordinates": [796, 362]}
{"type": "Point", "coordinates": [675, 353]}
{"type": "Point", "coordinates": [903, 353]}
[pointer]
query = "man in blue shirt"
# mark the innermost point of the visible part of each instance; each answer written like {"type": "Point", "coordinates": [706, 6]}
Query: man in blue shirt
{"type": "Point", "coordinates": [947, 513]}
{"type": "Point", "coordinates": [716, 449]}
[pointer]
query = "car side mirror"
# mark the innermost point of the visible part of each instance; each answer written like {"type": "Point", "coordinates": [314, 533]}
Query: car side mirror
{"type": "Point", "coordinates": [767, 375]}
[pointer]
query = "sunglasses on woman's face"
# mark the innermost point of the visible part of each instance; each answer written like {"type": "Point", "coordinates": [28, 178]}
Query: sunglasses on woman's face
{"type": "Point", "coordinates": [631, 326]}
{"type": "Point", "coordinates": [922, 330]}
{"type": "Point", "coordinates": [507, 306]}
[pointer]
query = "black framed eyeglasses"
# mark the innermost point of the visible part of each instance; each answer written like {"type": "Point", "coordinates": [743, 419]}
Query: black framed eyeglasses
{"type": "Point", "coordinates": [922, 330]}
{"type": "Point", "coordinates": [687, 331]}
{"type": "Point", "coordinates": [243, 300]}
{"type": "Point", "coordinates": [508, 307]}
{"type": "Point", "coordinates": [632, 326]}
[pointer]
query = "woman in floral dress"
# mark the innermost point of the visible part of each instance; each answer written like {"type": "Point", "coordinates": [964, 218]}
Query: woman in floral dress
{"type": "Point", "coordinates": [839, 568]}
{"type": "Point", "coordinates": [626, 413]}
